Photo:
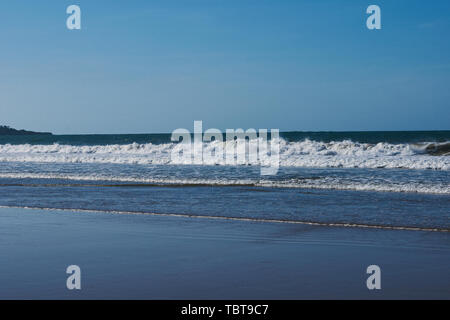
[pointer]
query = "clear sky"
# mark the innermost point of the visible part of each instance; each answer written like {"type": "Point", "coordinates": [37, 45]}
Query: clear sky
{"type": "Point", "coordinates": [154, 66]}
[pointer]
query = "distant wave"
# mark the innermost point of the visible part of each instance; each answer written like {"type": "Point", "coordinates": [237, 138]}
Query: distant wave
{"type": "Point", "coordinates": [305, 153]}
{"type": "Point", "coordinates": [330, 183]}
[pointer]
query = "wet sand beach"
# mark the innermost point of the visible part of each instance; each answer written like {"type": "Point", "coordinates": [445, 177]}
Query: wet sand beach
{"type": "Point", "coordinates": [125, 256]}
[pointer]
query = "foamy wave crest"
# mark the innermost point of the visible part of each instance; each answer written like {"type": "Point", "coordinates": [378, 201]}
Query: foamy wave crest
{"type": "Point", "coordinates": [306, 153]}
{"type": "Point", "coordinates": [349, 154]}
{"type": "Point", "coordinates": [330, 183]}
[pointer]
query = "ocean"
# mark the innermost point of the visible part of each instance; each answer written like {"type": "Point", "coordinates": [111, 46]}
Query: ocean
{"type": "Point", "coordinates": [381, 180]}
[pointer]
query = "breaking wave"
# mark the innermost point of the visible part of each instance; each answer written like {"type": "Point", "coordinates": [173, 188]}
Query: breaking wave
{"type": "Point", "coordinates": [306, 153]}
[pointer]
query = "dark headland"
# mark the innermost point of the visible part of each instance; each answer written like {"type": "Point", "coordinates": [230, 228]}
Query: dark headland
{"type": "Point", "coordinates": [5, 130]}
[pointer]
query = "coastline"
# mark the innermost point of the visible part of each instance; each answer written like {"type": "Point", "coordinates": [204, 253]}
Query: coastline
{"type": "Point", "coordinates": [125, 256]}
{"type": "Point", "coordinates": [8, 131]}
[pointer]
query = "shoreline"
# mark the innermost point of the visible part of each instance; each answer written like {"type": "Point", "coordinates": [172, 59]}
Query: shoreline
{"type": "Point", "coordinates": [242, 219]}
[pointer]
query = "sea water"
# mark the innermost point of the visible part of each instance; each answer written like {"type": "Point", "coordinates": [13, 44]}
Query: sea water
{"type": "Point", "coordinates": [368, 179]}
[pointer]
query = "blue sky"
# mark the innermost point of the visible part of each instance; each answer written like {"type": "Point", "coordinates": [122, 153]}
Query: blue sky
{"type": "Point", "coordinates": [154, 66]}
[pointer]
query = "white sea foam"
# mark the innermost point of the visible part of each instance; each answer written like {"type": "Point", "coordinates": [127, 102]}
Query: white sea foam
{"type": "Point", "coordinates": [306, 153]}
{"type": "Point", "coordinates": [333, 183]}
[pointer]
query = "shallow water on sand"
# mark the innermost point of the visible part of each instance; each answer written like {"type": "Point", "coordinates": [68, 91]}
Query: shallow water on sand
{"type": "Point", "coordinates": [154, 257]}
